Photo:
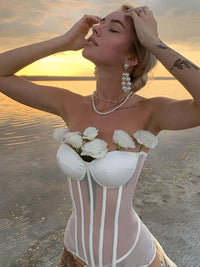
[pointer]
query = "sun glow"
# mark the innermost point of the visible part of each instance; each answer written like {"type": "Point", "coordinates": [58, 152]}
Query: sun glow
{"type": "Point", "coordinates": [73, 64]}
{"type": "Point", "coordinates": [62, 64]}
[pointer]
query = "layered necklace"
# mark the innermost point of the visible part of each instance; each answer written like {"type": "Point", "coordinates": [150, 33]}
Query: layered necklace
{"type": "Point", "coordinates": [107, 100]}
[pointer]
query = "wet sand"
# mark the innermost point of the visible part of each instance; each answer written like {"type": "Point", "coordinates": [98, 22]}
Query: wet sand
{"type": "Point", "coordinates": [35, 203]}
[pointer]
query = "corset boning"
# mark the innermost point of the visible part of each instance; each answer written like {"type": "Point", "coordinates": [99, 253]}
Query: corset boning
{"type": "Point", "coordinates": [104, 229]}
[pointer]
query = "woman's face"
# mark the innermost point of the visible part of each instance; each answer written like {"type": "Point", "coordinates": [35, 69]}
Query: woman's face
{"type": "Point", "coordinates": [111, 40]}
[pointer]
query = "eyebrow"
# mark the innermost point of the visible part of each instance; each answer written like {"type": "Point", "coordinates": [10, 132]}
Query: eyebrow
{"type": "Point", "coordinates": [116, 21]}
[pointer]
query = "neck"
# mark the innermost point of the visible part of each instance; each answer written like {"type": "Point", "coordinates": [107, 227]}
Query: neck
{"type": "Point", "coordinates": [109, 84]}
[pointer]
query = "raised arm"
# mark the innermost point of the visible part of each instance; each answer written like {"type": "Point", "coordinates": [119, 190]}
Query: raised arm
{"type": "Point", "coordinates": [169, 113]}
{"type": "Point", "coordinates": [41, 97]}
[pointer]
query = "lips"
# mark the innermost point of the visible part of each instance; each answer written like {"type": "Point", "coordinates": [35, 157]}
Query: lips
{"type": "Point", "coordinates": [92, 41]}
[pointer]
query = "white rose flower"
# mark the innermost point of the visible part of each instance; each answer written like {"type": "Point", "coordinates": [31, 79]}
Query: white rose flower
{"type": "Point", "coordinates": [74, 139]}
{"type": "Point", "coordinates": [123, 139]}
{"type": "Point", "coordinates": [95, 149]}
{"type": "Point", "coordinates": [90, 133]}
{"type": "Point", "coordinates": [59, 133]}
{"type": "Point", "coordinates": [146, 138]}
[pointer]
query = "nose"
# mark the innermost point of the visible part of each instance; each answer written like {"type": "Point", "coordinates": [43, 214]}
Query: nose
{"type": "Point", "coordinates": [96, 30]}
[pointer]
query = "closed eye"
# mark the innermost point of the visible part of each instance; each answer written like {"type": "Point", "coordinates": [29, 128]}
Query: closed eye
{"type": "Point", "coordinates": [113, 30]}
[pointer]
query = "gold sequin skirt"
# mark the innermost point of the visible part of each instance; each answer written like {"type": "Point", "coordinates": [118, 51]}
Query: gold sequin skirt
{"type": "Point", "coordinates": [70, 260]}
{"type": "Point", "coordinates": [164, 260]}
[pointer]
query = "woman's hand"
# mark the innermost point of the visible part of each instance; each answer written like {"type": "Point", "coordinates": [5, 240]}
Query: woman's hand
{"type": "Point", "coordinates": [75, 37]}
{"type": "Point", "coordinates": [145, 25]}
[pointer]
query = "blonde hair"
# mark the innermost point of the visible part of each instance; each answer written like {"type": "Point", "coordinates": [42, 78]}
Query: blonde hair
{"type": "Point", "coordinates": [146, 60]}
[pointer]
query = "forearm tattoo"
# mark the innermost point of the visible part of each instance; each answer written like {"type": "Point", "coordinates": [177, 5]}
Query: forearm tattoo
{"type": "Point", "coordinates": [184, 63]}
{"type": "Point", "coordinates": [162, 45]}
{"type": "Point", "coordinates": [180, 63]}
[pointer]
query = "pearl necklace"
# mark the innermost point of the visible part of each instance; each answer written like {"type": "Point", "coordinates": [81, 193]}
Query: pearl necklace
{"type": "Point", "coordinates": [107, 100]}
{"type": "Point", "coordinates": [112, 110]}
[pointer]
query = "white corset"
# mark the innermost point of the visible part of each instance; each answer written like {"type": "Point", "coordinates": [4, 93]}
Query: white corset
{"type": "Point", "coordinates": [104, 229]}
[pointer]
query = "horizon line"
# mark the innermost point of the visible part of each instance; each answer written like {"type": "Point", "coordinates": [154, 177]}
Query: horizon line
{"type": "Point", "coordinates": [74, 78]}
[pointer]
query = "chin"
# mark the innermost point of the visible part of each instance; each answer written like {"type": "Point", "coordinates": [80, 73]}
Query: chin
{"type": "Point", "coordinates": [99, 57]}
{"type": "Point", "coordinates": [88, 55]}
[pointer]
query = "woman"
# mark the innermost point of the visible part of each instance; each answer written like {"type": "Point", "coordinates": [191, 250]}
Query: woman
{"type": "Point", "coordinates": [103, 229]}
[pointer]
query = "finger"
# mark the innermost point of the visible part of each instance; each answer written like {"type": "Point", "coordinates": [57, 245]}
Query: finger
{"type": "Point", "coordinates": [151, 14]}
{"type": "Point", "coordinates": [138, 10]}
{"type": "Point", "coordinates": [141, 12]}
{"type": "Point", "coordinates": [97, 18]}
{"type": "Point", "coordinates": [93, 19]}
{"type": "Point", "coordinates": [130, 9]}
{"type": "Point", "coordinates": [135, 11]}
{"type": "Point", "coordinates": [133, 14]}
{"type": "Point", "coordinates": [146, 10]}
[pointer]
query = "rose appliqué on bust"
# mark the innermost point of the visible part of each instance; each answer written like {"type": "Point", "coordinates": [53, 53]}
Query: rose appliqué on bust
{"type": "Point", "coordinates": [146, 138]}
{"type": "Point", "coordinates": [86, 145]}
{"type": "Point", "coordinates": [122, 139]}
{"type": "Point", "coordinates": [89, 147]}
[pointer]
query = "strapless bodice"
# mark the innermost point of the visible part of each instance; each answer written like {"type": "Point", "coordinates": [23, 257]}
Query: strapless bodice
{"type": "Point", "coordinates": [103, 229]}
{"type": "Point", "coordinates": [112, 171]}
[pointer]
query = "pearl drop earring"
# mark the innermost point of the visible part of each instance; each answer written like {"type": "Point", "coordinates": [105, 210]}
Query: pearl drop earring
{"type": "Point", "coordinates": [126, 84]}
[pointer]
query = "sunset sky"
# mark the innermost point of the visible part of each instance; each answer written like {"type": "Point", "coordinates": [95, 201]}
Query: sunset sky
{"type": "Point", "coordinates": [27, 21]}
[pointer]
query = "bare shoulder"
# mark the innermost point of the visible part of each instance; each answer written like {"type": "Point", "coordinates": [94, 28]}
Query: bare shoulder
{"type": "Point", "coordinates": [160, 104]}
{"type": "Point", "coordinates": [71, 103]}
{"type": "Point", "coordinates": [149, 103]}
{"type": "Point", "coordinates": [151, 107]}
{"type": "Point", "coordinates": [157, 99]}
{"type": "Point", "coordinates": [173, 114]}
{"type": "Point", "coordinates": [155, 103]}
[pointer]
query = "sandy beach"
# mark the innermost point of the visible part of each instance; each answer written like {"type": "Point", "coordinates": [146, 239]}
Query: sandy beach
{"type": "Point", "coordinates": [35, 203]}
